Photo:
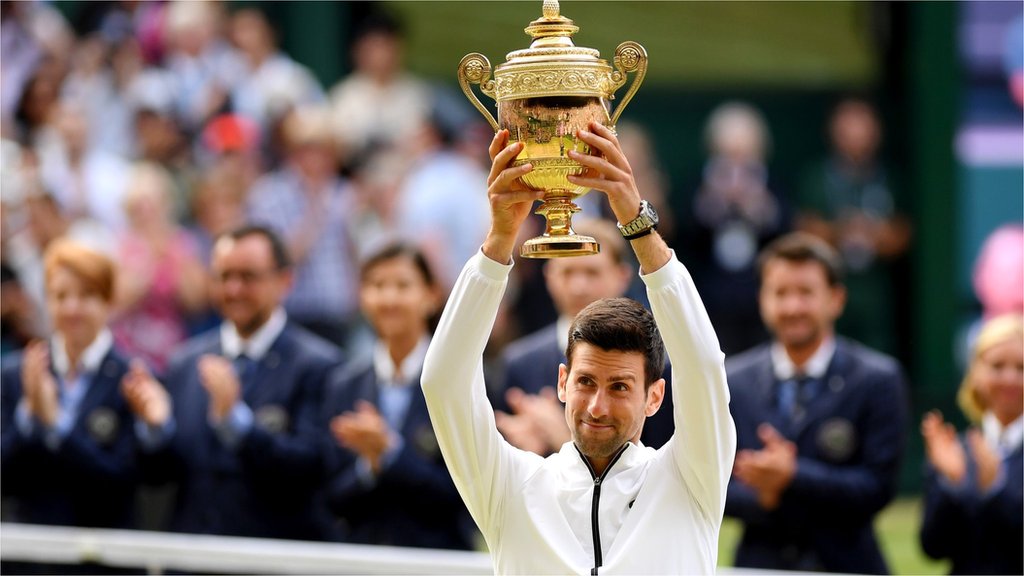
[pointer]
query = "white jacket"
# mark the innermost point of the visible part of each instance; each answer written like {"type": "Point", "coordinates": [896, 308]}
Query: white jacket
{"type": "Point", "coordinates": [654, 512]}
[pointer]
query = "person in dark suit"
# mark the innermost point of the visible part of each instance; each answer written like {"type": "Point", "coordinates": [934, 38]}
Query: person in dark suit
{"type": "Point", "coordinates": [820, 422]}
{"type": "Point", "coordinates": [242, 442]}
{"type": "Point", "coordinates": [68, 453]}
{"type": "Point", "coordinates": [528, 412]}
{"type": "Point", "coordinates": [974, 485]}
{"type": "Point", "coordinates": [387, 482]}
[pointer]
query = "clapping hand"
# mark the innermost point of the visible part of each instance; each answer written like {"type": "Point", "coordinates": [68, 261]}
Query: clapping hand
{"type": "Point", "coordinates": [218, 377]}
{"type": "Point", "coordinates": [39, 387]}
{"type": "Point", "coordinates": [146, 398]}
{"type": "Point", "coordinates": [770, 470]}
{"type": "Point", "coordinates": [363, 431]}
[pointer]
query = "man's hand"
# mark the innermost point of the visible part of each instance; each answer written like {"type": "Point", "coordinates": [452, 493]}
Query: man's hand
{"type": "Point", "coordinates": [218, 376]}
{"type": "Point", "coordinates": [538, 423]}
{"type": "Point", "coordinates": [768, 471]}
{"type": "Point", "coordinates": [511, 201]}
{"type": "Point", "coordinates": [39, 387]}
{"type": "Point", "coordinates": [942, 448]}
{"type": "Point", "coordinates": [363, 431]}
{"type": "Point", "coordinates": [609, 171]}
{"type": "Point", "coordinates": [146, 398]}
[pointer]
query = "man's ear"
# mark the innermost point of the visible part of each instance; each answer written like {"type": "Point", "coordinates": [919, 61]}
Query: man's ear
{"type": "Point", "coordinates": [563, 378]}
{"type": "Point", "coordinates": [655, 396]}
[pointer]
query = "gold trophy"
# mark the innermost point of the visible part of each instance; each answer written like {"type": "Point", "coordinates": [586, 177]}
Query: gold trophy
{"type": "Point", "coordinates": [546, 93]}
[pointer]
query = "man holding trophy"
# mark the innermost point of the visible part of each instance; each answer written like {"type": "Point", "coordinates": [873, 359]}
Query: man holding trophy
{"type": "Point", "coordinates": [603, 503]}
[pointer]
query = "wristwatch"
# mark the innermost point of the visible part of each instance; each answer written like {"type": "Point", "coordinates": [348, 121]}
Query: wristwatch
{"type": "Point", "coordinates": [642, 225]}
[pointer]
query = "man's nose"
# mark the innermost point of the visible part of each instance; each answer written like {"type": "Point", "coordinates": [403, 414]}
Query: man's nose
{"type": "Point", "coordinates": [598, 406]}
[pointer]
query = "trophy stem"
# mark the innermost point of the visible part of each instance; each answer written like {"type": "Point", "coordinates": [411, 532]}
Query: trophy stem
{"type": "Point", "coordinates": [559, 239]}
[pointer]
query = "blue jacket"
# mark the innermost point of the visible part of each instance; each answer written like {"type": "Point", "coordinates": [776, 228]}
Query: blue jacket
{"type": "Point", "coordinates": [269, 485]}
{"type": "Point", "coordinates": [89, 480]}
{"type": "Point", "coordinates": [980, 534]}
{"type": "Point", "coordinates": [531, 363]}
{"type": "Point", "coordinates": [412, 501]}
{"type": "Point", "coordinates": [849, 445]}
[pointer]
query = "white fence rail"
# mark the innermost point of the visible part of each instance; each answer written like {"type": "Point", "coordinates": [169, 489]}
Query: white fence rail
{"type": "Point", "coordinates": [160, 551]}
{"type": "Point", "coordinates": [157, 552]}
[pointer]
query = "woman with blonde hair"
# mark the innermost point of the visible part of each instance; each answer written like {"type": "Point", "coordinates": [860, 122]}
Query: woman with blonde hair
{"type": "Point", "coordinates": [974, 484]}
{"type": "Point", "coordinates": [68, 454]}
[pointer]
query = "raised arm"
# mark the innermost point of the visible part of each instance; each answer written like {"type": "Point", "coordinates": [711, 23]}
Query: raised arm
{"type": "Point", "coordinates": [453, 381]}
{"type": "Point", "coordinates": [704, 443]}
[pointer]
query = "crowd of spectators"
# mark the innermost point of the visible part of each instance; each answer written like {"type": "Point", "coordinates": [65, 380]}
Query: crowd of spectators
{"type": "Point", "coordinates": [219, 275]}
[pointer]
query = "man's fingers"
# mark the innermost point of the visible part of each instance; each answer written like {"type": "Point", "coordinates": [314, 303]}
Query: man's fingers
{"type": "Point", "coordinates": [503, 159]}
{"type": "Point", "coordinates": [497, 143]}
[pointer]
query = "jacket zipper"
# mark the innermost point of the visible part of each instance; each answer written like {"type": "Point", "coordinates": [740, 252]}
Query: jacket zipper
{"type": "Point", "coordinates": [595, 505]}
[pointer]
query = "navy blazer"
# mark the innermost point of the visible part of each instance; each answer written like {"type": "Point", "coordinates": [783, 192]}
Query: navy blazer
{"type": "Point", "coordinates": [269, 485]}
{"type": "Point", "coordinates": [413, 501]}
{"type": "Point", "coordinates": [980, 534]}
{"type": "Point", "coordinates": [531, 363]}
{"type": "Point", "coordinates": [849, 442]}
{"type": "Point", "coordinates": [89, 480]}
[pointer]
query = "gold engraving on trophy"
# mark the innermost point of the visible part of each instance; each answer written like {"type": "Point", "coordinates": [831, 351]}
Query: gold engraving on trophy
{"type": "Point", "coordinates": [544, 94]}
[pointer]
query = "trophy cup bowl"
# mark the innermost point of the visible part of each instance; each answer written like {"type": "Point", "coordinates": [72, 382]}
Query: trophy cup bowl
{"type": "Point", "coordinates": [545, 94]}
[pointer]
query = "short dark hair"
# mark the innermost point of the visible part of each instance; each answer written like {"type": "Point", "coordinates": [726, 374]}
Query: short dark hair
{"type": "Point", "coordinates": [399, 249]}
{"type": "Point", "coordinates": [620, 324]}
{"type": "Point", "coordinates": [803, 247]}
{"type": "Point", "coordinates": [278, 249]}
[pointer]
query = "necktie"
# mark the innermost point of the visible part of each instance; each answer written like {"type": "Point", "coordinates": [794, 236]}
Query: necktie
{"type": "Point", "coordinates": [245, 367]}
{"type": "Point", "coordinates": [794, 394]}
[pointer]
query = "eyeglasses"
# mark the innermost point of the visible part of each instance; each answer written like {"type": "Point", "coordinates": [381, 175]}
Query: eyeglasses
{"type": "Point", "coordinates": [244, 276]}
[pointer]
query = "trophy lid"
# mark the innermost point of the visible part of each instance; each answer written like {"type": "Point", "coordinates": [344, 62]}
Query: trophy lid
{"type": "Point", "coordinates": [553, 65]}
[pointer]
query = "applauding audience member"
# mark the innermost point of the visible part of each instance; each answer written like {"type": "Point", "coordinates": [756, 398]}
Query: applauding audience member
{"type": "Point", "coordinates": [973, 498]}
{"type": "Point", "coordinates": [388, 482]}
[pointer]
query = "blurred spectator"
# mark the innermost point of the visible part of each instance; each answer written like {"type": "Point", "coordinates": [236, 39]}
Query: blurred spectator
{"type": "Point", "coordinates": [68, 454]}
{"type": "Point", "coordinates": [86, 181]}
{"type": "Point", "coordinates": [159, 136]}
{"type": "Point", "coordinates": [528, 412]}
{"type": "Point", "coordinates": [218, 204]}
{"type": "Point", "coordinates": [378, 103]}
{"type": "Point", "coordinates": [204, 68]}
{"type": "Point", "coordinates": [377, 176]}
{"type": "Point", "coordinates": [37, 104]}
{"type": "Point", "coordinates": [308, 204]}
{"type": "Point", "coordinates": [441, 205]}
{"type": "Point", "coordinates": [388, 483]}
{"type": "Point", "coordinates": [272, 82]}
{"type": "Point", "coordinates": [163, 280]}
{"type": "Point", "coordinates": [99, 89]}
{"type": "Point", "coordinates": [849, 199]}
{"type": "Point", "coordinates": [736, 211]}
{"type": "Point", "coordinates": [974, 489]}
{"type": "Point", "coordinates": [243, 440]}
{"type": "Point", "coordinates": [820, 424]}
{"type": "Point", "coordinates": [35, 43]}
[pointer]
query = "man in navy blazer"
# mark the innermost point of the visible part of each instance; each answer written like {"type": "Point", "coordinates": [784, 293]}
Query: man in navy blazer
{"type": "Point", "coordinates": [527, 411]}
{"type": "Point", "coordinates": [243, 443]}
{"type": "Point", "coordinates": [821, 423]}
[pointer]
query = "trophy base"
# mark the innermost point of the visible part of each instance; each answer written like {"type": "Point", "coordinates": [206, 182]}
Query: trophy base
{"type": "Point", "coordinates": [559, 246]}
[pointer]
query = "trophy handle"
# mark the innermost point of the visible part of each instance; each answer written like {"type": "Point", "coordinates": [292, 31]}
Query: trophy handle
{"type": "Point", "coordinates": [629, 57]}
{"type": "Point", "coordinates": [476, 69]}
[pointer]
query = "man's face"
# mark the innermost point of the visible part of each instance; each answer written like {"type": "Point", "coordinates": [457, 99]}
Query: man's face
{"type": "Point", "coordinates": [247, 285]}
{"type": "Point", "coordinates": [797, 304]}
{"type": "Point", "coordinates": [576, 282]}
{"type": "Point", "coordinates": [605, 400]}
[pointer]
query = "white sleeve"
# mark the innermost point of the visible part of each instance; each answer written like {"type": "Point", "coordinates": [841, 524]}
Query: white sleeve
{"type": "Point", "coordinates": [481, 462]}
{"type": "Point", "coordinates": [704, 443]}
